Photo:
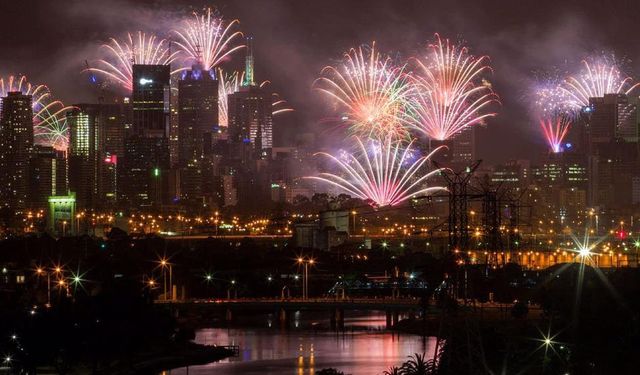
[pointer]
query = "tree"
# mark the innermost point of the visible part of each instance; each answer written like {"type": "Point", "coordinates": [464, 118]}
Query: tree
{"type": "Point", "coordinates": [417, 365]}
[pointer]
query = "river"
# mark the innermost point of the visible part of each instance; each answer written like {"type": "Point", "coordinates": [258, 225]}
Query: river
{"type": "Point", "coordinates": [363, 348]}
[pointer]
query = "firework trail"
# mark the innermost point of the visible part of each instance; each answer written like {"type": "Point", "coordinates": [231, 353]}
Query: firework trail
{"type": "Point", "coordinates": [40, 93]}
{"type": "Point", "coordinates": [383, 174]}
{"type": "Point", "coordinates": [555, 130]}
{"type": "Point", "coordinates": [227, 85]}
{"type": "Point", "coordinates": [451, 93]}
{"type": "Point", "coordinates": [135, 49]}
{"type": "Point", "coordinates": [550, 100]}
{"type": "Point", "coordinates": [373, 92]}
{"type": "Point", "coordinates": [207, 39]}
{"type": "Point", "coordinates": [278, 105]}
{"type": "Point", "coordinates": [50, 127]}
{"type": "Point", "coordinates": [594, 81]}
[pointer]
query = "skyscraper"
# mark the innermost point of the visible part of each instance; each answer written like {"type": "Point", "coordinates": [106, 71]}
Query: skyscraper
{"type": "Point", "coordinates": [250, 113]}
{"type": "Point", "coordinates": [96, 140]}
{"type": "Point", "coordinates": [611, 125]}
{"type": "Point", "coordinates": [197, 112]}
{"type": "Point", "coordinates": [48, 175]}
{"type": "Point", "coordinates": [150, 100]}
{"type": "Point", "coordinates": [197, 121]}
{"type": "Point", "coordinates": [146, 155]}
{"type": "Point", "coordinates": [83, 153]}
{"type": "Point", "coordinates": [16, 147]}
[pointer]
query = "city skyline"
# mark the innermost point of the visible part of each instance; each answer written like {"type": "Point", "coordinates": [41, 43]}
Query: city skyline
{"type": "Point", "coordinates": [520, 49]}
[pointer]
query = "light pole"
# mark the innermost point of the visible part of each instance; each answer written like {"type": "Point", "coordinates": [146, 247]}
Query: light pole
{"type": "Point", "coordinates": [354, 221]}
{"type": "Point", "coordinates": [305, 277]}
{"type": "Point", "coordinates": [41, 271]}
{"type": "Point", "coordinates": [64, 228]}
{"type": "Point", "coordinates": [165, 264]}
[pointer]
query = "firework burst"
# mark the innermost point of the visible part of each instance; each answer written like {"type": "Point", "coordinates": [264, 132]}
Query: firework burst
{"type": "Point", "coordinates": [278, 105]}
{"type": "Point", "coordinates": [550, 100]}
{"type": "Point", "coordinates": [40, 93]}
{"type": "Point", "coordinates": [451, 92]}
{"type": "Point", "coordinates": [596, 79]}
{"type": "Point", "coordinates": [135, 49]}
{"type": "Point", "coordinates": [381, 172]}
{"type": "Point", "coordinates": [50, 126]}
{"type": "Point", "coordinates": [555, 130]}
{"type": "Point", "coordinates": [228, 83]}
{"type": "Point", "coordinates": [206, 38]}
{"type": "Point", "coordinates": [373, 92]}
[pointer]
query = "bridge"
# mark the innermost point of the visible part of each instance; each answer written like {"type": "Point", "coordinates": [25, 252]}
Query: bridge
{"type": "Point", "coordinates": [284, 307]}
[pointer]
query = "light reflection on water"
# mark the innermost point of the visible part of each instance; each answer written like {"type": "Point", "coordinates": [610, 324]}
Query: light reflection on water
{"type": "Point", "coordinates": [362, 349]}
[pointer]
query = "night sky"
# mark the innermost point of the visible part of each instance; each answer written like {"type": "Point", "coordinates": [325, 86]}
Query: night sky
{"type": "Point", "coordinates": [50, 40]}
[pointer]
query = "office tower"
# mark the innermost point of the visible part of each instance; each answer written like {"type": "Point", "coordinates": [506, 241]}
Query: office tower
{"type": "Point", "coordinates": [611, 124]}
{"type": "Point", "coordinates": [612, 116]}
{"type": "Point", "coordinates": [47, 176]}
{"type": "Point", "coordinates": [83, 153]}
{"type": "Point", "coordinates": [146, 161]}
{"type": "Point", "coordinates": [16, 147]}
{"type": "Point", "coordinates": [197, 112]}
{"type": "Point", "coordinates": [150, 100]}
{"type": "Point", "coordinates": [250, 113]}
{"type": "Point", "coordinates": [197, 121]}
{"type": "Point", "coordinates": [464, 146]}
{"type": "Point", "coordinates": [96, 140]}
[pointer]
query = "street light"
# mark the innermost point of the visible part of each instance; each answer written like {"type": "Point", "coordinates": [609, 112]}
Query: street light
{"type": "Point", "coordinates": [40, 271]}
{"type": "Point", "coordinates": [164, 264]}
{"type": "Point", "coordinates": [305, 281]}
{"type": "Point", "coordinates": [354, 221]}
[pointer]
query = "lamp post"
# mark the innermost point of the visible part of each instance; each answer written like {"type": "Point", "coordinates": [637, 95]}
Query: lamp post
{"type": "Point", "coordinates": [41, 271]}
{"type": "Point", "coordinates": [165, 264]}
{"type": "Point", "coordinates": [305, 277]}
{"type": "Point", "coordinates": [64, 228]}
{"type": "Point", "coordinates": [354, 221]}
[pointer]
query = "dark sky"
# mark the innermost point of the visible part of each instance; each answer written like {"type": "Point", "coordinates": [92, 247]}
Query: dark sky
{"type": "Point", "coordinates": [49, 41]}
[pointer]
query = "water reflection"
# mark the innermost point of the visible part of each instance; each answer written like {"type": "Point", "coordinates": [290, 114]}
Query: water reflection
{"type": "Point", "coordinates": [363, 348]}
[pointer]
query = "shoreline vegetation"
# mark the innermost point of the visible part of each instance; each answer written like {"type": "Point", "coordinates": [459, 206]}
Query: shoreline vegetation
{"type": "Point", "coordinates": [172, 357]}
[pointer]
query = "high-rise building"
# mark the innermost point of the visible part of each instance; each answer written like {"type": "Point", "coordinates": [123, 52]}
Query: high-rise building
{"type": "Point", "coordinates": [144, 167]}
{"type": "Point", "coordinates": [48, 175]}
{"type": "Point", "coordinates": [197, 112]}
{"type": "Point", "coordinates": [611, 126]}
{"type": "Point", "coordinates": [83, 122]}
{"type": "Point", "coordinates": [16, 148]}
{"type": "Point", "coordinates": [464, 146]}
{"type": "Point", "coordinates": [612, 116]}
{"type": "Point", "coordinates": [197, 122]}
{"type": "Point", "coordinates": [96, 140]}
{"type": "Point", "coordinates": [250, 113]}
{"type": "Point", "coordinates": [150, 100]}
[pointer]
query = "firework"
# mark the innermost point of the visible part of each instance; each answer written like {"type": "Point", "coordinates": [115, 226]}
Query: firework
{"type": "Point", "coordinates": [40, 93]}
{"type": "Point", "coordinates": [594, 81]}
{"type": "Point", "coordinates": [371, 89]}
{"type": "Point", "coordinates": [207, 39]}
{"type": "Point", "coordinates": [555, 130]}
{"type": "Point", "coordinates": [139, 49]}
{"type": "Point", "coordinates": [384, 174]}
{"type": "Point", "coordinates": [278, 105]}
{"type": "Point", "coordinates": [50, 126]}
{"type": "Point", "coordinates": [551, 100]}
{"type": "Point", "coordinates": [451, 93]}
{"type": "Point", "coordinates": [227, 85]}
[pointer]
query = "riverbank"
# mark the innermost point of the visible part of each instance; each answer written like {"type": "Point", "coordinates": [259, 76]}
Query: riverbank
{"type": "Point", "coordinates": [170, 357]}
